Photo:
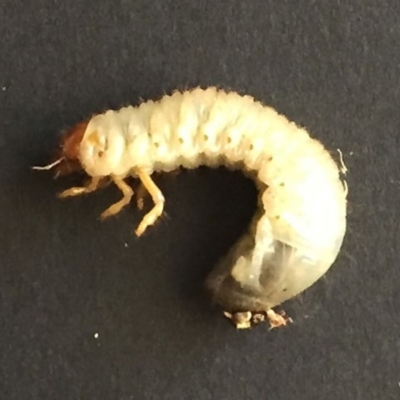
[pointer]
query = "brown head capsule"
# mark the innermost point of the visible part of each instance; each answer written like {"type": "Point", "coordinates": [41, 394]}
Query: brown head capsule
{"type": "Point", "coordinates": [69, 150]}
{"type": "Point", "coordinates": [67, 157]}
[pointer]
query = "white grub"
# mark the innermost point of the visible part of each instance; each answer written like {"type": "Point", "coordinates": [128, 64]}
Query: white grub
{"type": "Point", "coordinates": [299, 228]}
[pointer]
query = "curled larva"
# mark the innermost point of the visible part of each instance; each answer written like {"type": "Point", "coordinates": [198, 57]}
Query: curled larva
{"type": "Point", "coordinates": [300, 223]}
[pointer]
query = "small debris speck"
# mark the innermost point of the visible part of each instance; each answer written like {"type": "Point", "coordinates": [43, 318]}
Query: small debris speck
{"type": "Point", "coordinates": [126, 244]}
{"type": "Point", "coordinates": [3, 88]}
{"type": "Point", "coordinates": [96, 335]}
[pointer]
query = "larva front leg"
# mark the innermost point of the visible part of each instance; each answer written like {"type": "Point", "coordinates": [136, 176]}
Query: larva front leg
{"type": "Point", "coordinates": [119, 205]}
{"type": "Point", "coordinates": [151, 217]}
{"type": "Point", "coordinates": [76, 191]}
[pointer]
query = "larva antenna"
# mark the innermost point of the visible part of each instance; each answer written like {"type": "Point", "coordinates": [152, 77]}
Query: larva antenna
{"type": "Point", "coordinates": [50, 166]}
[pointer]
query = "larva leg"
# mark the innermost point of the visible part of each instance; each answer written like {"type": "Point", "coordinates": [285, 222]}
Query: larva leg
{"type": "Point", "coordinates": [151, 217]}
{"type": "Point", "coordinates": [119, 205]}
{"type": "Point", "coordinates": [76, 191]}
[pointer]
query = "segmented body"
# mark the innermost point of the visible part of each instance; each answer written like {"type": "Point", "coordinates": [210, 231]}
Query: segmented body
{"type": "Point", "coordinates": [300, 223]}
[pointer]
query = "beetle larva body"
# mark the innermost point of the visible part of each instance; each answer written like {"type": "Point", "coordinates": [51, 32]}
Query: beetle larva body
{"type": "Point", "coordinates": [300, 223]}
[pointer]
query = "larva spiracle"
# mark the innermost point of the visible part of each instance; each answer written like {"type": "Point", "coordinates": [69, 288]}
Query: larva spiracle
{"type": "Point", "coordinates": [300, 223]}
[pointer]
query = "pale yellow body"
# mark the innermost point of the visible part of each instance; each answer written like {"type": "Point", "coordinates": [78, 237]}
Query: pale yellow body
{"type": "Point", "coordinates": [298, 230]}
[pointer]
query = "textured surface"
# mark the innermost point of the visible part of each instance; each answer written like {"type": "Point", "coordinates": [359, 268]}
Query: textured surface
{"type": "Point", "coordinates": [333, 67]}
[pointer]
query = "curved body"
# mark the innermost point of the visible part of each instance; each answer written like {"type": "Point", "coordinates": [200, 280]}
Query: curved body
{"type": "Point", "coordinates": [300, 223]}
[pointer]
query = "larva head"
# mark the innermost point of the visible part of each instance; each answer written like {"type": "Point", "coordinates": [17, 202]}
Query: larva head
{"type": "Point", "coordinates": [90, 147]}
{"type": "Point", "coordinates": [68, 154]}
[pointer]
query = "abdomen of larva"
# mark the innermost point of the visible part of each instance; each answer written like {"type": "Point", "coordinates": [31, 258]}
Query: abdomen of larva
{"type": "Point", "coordinates": [300, 223]}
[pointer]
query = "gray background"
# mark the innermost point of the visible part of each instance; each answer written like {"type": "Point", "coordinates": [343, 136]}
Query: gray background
{"type": "Point", "coordinates": [332, 66]}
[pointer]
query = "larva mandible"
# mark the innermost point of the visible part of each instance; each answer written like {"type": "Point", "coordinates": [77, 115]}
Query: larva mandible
{"type": "Point", "coordinates": [300, 224]}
